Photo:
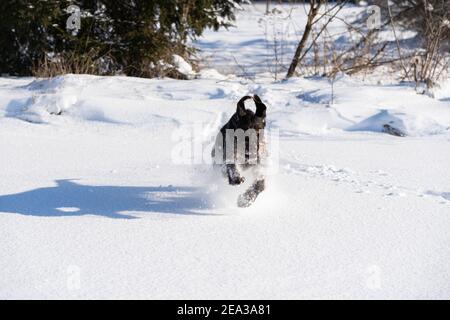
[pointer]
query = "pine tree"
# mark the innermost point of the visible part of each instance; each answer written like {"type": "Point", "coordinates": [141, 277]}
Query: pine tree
{"type": "Point", "coordinates": [134, 37]}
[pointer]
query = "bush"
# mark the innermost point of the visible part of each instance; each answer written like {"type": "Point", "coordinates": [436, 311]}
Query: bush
{"type": "Point", "coordinates": [431, 20]}
{"type": "Point", "coordinates": [132, 37]}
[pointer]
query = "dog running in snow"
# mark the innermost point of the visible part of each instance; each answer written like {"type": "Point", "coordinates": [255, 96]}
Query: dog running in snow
{"type": "Point", "coordinates": [240, 145]}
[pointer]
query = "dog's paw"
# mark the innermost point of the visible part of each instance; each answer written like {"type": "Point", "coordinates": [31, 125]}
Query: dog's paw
{"type": "Point", "coordinates": [236, 180]}
{"type": "Point", "coordinates": [249, 196]}
{"type": "Point", "coordinates": [246, 199]}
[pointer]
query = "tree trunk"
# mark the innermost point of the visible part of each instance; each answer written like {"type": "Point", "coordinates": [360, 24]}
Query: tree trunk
{"type": "Point", "coordinates": [313, 10]}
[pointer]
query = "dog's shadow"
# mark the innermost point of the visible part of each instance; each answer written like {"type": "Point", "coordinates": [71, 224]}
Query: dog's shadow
{"type": "Point", "coordinates": [68, 198]}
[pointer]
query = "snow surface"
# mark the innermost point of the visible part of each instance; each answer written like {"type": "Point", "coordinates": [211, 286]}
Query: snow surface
{"type": "Point", "coordinates": [94, 203]}
{"type": "Point", "coordinates": [183, 66]}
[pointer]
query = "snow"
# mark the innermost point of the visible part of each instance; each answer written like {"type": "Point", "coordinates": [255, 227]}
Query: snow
{"type": "Point", "coordinates": [93, 203]}
{"type": "Point", "coordinates": [409, 124]}
{"type": "Point", "coordinates": [182, 66]}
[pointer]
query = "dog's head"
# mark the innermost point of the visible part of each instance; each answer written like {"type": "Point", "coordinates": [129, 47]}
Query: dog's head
{"type": "Point", "coordinates": [247, 119]}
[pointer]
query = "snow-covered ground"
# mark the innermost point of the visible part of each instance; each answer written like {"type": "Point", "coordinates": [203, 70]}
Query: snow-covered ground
{"type": "Point", "coordinates": [94, 202]}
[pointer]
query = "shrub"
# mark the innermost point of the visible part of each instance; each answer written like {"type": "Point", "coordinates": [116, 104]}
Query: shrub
{"type": "Point", "coordinates": [133, 37]}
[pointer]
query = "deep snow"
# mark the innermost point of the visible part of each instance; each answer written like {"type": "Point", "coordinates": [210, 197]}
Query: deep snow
{"type": "Point", "coordinates": [94, 204]}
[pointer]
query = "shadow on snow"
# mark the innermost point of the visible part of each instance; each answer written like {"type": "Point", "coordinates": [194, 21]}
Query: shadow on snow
{"type": "Point", "coordinates": [68, 198]}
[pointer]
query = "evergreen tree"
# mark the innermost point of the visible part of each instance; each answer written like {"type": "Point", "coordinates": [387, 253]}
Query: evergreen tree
{"type": "Point", "coordinates": [134, 37]}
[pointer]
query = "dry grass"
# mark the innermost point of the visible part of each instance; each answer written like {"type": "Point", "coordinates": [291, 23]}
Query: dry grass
{"type": "Point", "coordinates": [87, 63]}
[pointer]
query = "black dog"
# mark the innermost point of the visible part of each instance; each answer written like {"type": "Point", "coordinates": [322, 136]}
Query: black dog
{"type": "Point", "coordinates": [251, 123]}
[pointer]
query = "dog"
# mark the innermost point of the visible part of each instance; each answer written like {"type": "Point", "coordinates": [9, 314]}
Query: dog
{"type": "Point", "coordinates": [248, 126]}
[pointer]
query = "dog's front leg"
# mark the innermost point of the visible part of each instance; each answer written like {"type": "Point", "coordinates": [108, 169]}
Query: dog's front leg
{"type": "Point", "coordinates": [234, 177]}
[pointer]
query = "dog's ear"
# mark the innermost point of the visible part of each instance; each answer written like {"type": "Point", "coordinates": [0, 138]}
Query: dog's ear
{"type": "Point", "coordinates": [260, 106]}
{"type": "Point", "coordinates": [257, 99]}
{"type": "Point", "coordinates": [241, 107]}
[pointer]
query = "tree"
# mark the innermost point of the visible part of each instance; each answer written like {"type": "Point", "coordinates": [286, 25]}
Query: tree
{"type": "Point", "coordinates": [314, 16]}
{"type": "Point", "coordinates": [312, 13]}
{"type": "Point", "coordinates": [134, 37]}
